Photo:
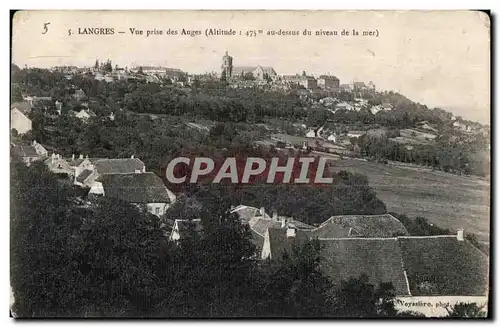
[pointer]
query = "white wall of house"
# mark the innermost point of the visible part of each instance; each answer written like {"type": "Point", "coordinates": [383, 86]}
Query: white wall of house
{"type": "Point", "coordinates": [435, 306]}
{"type": "Point", "coordinates": [19, 121]}
{"type": "Point", "coordinates": [82, 114]}
{"type": "Point", "coordinates": [157, 209]}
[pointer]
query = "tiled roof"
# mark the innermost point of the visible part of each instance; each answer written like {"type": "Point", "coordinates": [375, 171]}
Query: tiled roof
{"type": "Point", "coordinates": [135, 188]}
{"type": "Point", "coordinates": [361, 225]}
{"type": "Point", "coordinates": [379, 259]}
{"type": "Point", "coordinates": [415, 265]}
{"type": "Point", "coordinates": [84, 175]}
{"type": "Point", "coordinates": [118, 166]}
{"type": "Point", "coordinates": [444, 266]}
{"type": "Point", "coordinates": [75, 162]}
{"type": "Point", "coordinates": [280, 243]}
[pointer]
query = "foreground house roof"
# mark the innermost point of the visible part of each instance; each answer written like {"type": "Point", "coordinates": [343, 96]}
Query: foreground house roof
{"type": "Point", "coordinates": [135, 188]}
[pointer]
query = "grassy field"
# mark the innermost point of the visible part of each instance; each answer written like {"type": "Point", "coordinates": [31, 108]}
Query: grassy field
{"type": "Point", "coordinates": [447, 200]}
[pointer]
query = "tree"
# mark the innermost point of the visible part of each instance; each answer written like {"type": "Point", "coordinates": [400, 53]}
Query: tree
{"type": "Point", "coordinates": [297, 287]}
{"type": "Point", "coordinates": [358, 298]}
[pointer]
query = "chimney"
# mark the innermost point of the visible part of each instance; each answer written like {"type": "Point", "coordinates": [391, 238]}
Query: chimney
{"type": "Point", "coordinates": [232, 207]}
{"type": "Point", "coordinates": [275, 215]}
{"type": "Point", "coordinates": [53, 158]}
{"type": "Point", "coordinates": [132, 157]}
{"type": "Point", "coordinates": [34, 142]}
{"type": "Point", "coordinates": [460, 235]}
{"type": "Point", "coordinates": [81, 156]}
{"type": "Point", "coordinates": [283, 223]}
{"type": "Point", "coordinates": [73, 156]}
{"type": "Point", "coordinates": [262, 211]}
{"type": "Point", "coordinates": [86, 156]}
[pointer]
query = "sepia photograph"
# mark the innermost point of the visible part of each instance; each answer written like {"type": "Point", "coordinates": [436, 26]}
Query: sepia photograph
{"type": "Point", "coordinates": [250, 164]}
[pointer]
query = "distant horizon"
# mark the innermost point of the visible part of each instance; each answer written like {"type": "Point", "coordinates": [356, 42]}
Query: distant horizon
{"type": "Point", "coordinates": [316, 75]}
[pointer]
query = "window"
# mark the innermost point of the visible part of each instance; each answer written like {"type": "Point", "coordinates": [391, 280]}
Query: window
{"type": "Point", "coordinates": [157, 211]}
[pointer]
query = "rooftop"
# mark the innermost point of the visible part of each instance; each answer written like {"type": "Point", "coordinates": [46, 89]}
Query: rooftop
{"type": "Point", "coordinates": [118, 166]}
{"type": "Point", "coordinates": [361, 225]}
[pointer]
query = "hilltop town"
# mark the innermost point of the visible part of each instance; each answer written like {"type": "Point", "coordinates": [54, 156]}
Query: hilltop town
{"type": "Point", "coordinates": [97, 140]}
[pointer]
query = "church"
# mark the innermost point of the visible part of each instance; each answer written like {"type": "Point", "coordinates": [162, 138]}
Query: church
{"type": "Point", "coordinates": [258, 73]}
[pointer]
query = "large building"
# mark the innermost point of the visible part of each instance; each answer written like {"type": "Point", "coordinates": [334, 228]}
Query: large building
{"type": "Point", "coordinates": [258, 73]}
{"type": "Point", "coordinates": [328, 82]}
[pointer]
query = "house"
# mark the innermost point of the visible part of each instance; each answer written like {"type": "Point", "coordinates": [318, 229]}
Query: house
{"type": "Point", "coordinates": [19, 117]}
{"type": "Point", "coordinates": [79, 165]}
{"type": "Point", "coordinates": [174, 74]}
{"type": "Point", "coordinates": [328, 82]}
{"type": "Point", "coordinates": [328, 101]}
{"type": "Point", "coordinates": [87, 171]}
{"type": "Point", "coordinates": [359, 86]}
{"type": "Point", "coordinates": [346, 87]}
{"type": "Point", "coordinates": [428, 273]}
{"type": "Point", "coordinates": [376, 109]}
{"type": "Point", "coordinates": [29, 153]}
{"type": "Point", "coordinates": [59, 166]}
{"type": "Point", "coordinates": [182, 227]}
{"type": "Point", "coordinates": [145, 190]}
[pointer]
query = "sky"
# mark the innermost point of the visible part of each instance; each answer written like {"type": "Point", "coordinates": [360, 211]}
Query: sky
{"type": "Point", "coordinates": [437, 58]}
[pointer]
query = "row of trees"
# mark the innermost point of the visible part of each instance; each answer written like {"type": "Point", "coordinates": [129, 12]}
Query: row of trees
{"type": "Point", "coordinates": [112, 260]}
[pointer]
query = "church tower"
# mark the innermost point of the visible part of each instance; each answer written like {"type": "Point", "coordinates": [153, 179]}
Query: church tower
{"type": "Point", "coordinates": [227, 66]}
